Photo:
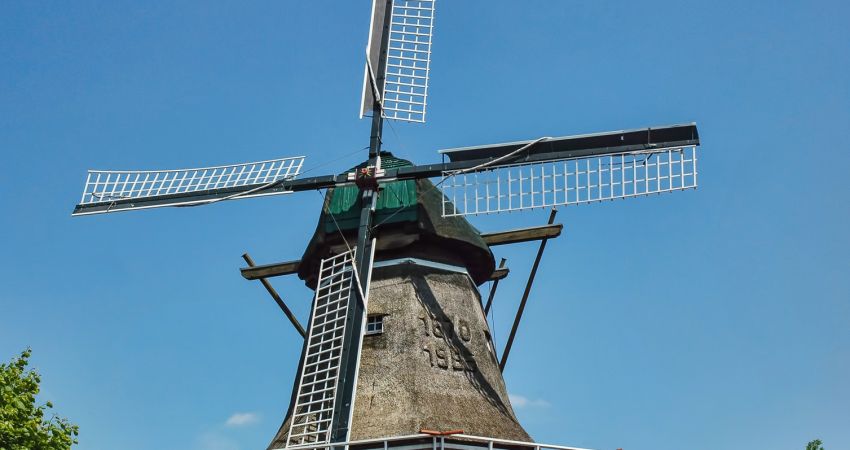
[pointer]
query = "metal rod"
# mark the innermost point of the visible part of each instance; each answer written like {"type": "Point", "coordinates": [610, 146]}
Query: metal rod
{"type": "Point", "coordinates": [277, 299]}
{"type": "Point", "coordinates": [525, 296]}
{"type": "Point", "coordinates": [493, 290]}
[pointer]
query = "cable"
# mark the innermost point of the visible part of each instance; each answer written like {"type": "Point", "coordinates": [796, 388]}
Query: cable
{"type": "Point", "coordinates": [471, 169]}
{"type": "Point", "coordinates": [501, 158]}
{"type": "Point", "coordinates": [334, 160]}
{"type": "Point", "coordinates": [400, 143]}
{"type": "Point", "coordinates": [336, 224]}
{"type": "Point", "coordinates": [350, 250]}
{"type": "Point", "coordinates": [272, 183]}
{"type": "Point", "coordinates": [493, 327]}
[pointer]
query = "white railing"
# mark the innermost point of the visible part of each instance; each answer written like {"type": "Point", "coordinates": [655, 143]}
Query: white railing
{"type": "Point", "coordinates": [431, 442]}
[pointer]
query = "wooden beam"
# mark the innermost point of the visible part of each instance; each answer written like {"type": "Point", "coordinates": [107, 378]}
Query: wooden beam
{"type": "Point", "coordinates": [523, 235]}
{"type": "Point", "coordinates": [500, 273]}
{"type": "Point", "coordinates": [270, 270]}
{"type": "Point", "coordinates": [278, 300]}
{"type": "Point", "coordinates": [290, 267]}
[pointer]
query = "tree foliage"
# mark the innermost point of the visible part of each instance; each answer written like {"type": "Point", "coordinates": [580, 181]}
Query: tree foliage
{"type": "Point", "coordinates": [23, 425]}
{"type": "Point", "coordinates": [814, 445]}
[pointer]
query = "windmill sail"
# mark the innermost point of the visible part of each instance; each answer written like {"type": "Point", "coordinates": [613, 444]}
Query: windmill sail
{"type": "Point", "coordinates": [403, 83]}
{"type": "Point", "coordinates": [121, 190]}
{"type": "Point", "coordinates": [571, 170]}
{"type": "Point", "coordinates": [313, 412]}
{"type": "Point", "coordinates": [373, 55]}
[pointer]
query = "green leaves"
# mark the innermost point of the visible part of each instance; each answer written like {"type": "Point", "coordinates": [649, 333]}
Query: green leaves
{"type": "Point", "coordinates": [814, 445]}
{"type": "Point", "coordinates": [22, 424]}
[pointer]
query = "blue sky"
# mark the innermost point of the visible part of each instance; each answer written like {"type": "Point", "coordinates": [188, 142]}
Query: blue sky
{"type": "Point", "coordinates": [715, 318]}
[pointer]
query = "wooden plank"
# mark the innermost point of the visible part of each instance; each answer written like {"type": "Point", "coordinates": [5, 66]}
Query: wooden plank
{"type": "Point", "coordinates": [500, 273]}
{"type": "Point", "coordinates": [278, 299]}
{"type": "Point", "coordinates": [290, 267]}
{"type": "Point", "coordinates": [523, 235]}
{"type": "Point", "coordinates": [270, 270]}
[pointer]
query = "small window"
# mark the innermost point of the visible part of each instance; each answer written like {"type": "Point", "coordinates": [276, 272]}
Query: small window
{"type": "Point", "coordinates": [374, 325]}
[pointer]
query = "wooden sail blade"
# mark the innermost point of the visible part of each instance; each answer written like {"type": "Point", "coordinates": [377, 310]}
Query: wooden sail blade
{"type": "Point", "coordinates": [373, 57]}
{"type": "Point", "coordinates": [578, 146]}
{"type": "Point", "coordinates": [122, 190]}
{"type": "Point", "coordinates": [401, 77]}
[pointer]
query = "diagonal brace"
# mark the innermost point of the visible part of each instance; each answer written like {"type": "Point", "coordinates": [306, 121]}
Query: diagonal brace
{"type": "Point", "coordinates": [525, 296]}
{"type": "Point", "coordinates": [493, 289]}
{"type": "Point", "coordinates": [277, 299]}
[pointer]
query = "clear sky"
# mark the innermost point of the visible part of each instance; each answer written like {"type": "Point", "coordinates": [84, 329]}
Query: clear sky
{"type": "Point", "coordinates": [709, 319]}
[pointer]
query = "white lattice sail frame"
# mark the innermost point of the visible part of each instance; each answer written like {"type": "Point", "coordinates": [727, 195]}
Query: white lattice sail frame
{"type": "Point", "coordinates": [113, 185]}
{"type": "Point", "coordinates": [408, 62]}
{"type": "Point", "coordinates": [569, 182]}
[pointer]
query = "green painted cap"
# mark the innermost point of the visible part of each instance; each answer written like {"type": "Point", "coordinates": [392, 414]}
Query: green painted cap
{"type": "Point", "coordinates": [408, 222]}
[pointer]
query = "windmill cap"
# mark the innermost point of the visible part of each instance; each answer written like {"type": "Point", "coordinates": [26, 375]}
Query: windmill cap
{"type": "Point", "coordinates": [408, 222]}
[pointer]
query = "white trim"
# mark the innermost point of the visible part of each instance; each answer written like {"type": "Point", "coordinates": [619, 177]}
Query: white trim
{"type": "Point", "coordinates": [424, 263]}
{"type": "Point", "coordinates": [469, 438]}
{"type": "Point", "coordinates": [376, 319]}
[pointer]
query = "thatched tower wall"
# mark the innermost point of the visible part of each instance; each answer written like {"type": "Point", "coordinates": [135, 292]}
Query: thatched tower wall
{"type": "Point", "coordinates": [433, 366]}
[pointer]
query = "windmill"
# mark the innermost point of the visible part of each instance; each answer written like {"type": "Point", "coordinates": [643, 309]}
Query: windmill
{"type": "Point", "coordinates": [385, 222]}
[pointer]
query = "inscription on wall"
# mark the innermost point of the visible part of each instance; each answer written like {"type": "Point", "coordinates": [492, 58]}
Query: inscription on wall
{"type": "Point", "coordinates": [446, 345]}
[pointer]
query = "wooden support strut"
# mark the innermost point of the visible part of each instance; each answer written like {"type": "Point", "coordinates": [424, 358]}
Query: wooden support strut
{"type": "Point", "coordinates": [523, 234]}
{"type": "Point", "coordinates": [527, 291]}
{"type": "Point", "coordinates": [290, 267]}
{"type": "Point", "coordinates": [277, 299]}
{"type": "Point", "coordinates": [493, 289]}
{"type": "Point", "coordinates": [491, 239]}
{"type": "Point", "coordinates": [253, 272]}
